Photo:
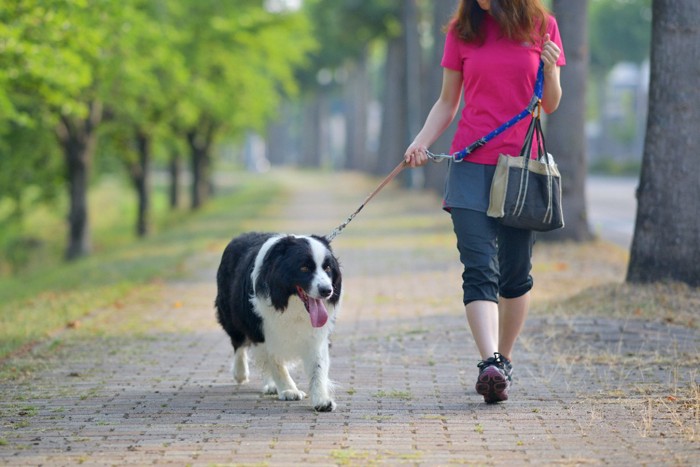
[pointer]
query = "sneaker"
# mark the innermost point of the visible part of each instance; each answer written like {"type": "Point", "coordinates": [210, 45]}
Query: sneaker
{"type": "Point", "coordinates": [493, 381]}
{"type": "Point", "coordinates": [507, 367]}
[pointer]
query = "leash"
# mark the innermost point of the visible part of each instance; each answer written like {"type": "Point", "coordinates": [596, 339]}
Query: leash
{"type": "Point", "coordinates": [533, 106]}
{"type": "Point", "coordinates": [388, 178]}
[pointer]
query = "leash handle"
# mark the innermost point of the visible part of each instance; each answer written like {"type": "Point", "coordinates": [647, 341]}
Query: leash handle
{"type": "Point", "coordinates": [384, 182]}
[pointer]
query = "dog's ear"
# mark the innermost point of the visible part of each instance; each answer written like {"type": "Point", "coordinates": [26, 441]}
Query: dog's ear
{"type": "Point", "coordinates": [323, 240]}
{"type": "Point", "coordinates": [272, 281]}
{"type": "Point", "coordinates": [337, 278]}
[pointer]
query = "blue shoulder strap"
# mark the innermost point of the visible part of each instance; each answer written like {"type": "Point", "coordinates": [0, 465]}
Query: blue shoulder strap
{"type": "Point", "coordinates": [536, 97]}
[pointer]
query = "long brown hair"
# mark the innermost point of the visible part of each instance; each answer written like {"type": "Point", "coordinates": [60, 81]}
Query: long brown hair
{"type": "Point", "coordinates": [520, 20]}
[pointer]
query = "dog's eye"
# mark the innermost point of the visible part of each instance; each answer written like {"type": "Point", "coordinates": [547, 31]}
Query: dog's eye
{"type": "Point", "coordinates": [328, 269]}
{"type": "Point", "coordinates": [305, 269]}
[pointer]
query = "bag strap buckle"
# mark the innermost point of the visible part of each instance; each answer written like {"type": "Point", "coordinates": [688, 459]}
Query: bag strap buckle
{"type": "Point", "coordinates": [537, 109]}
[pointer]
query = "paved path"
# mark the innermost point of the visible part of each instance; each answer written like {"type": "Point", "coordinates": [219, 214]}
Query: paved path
{"type": "Point", "coordinates": [155, 387]}
{"type": "Point", "coordinates": [612, 207]}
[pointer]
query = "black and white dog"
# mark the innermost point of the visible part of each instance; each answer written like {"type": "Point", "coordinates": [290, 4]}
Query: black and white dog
{"type": "Point", "coordinates": [278, 296]}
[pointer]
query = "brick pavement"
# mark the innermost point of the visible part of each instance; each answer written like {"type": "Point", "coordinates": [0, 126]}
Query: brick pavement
{"type": "Point", "coordinates": [587, 390]}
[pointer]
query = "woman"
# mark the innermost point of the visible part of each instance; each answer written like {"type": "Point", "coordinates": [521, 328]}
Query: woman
{"type": "Point", "coordinates": [492, 52]}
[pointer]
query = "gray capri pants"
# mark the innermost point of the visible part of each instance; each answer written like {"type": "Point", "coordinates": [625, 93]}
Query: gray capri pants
{"type": "Point", "coordinates": [496, 258]}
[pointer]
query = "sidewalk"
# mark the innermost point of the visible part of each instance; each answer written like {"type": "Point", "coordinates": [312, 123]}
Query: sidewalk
{"type": "Point", "coordinates": [156, 388]}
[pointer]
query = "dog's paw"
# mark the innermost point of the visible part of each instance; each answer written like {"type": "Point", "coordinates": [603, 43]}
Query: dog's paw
{"type": "Point", "coordinates": [240, 372]}
{"type": "Point", "coordinates": [292, 395]}
{"type": "Point", "coordinates": [269, 389]}
{"type": "Point", "coordinates": [240, 378]}
{"type": "Point", "coordinates": [325, 406]}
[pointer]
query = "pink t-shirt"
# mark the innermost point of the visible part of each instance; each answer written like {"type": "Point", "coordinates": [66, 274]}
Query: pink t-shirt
{"type": "Point", "coordinates": [499, 79]}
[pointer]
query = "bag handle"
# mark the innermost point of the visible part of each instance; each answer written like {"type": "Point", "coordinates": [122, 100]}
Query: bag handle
{"type": "Point", "coordinates": [534, 131]}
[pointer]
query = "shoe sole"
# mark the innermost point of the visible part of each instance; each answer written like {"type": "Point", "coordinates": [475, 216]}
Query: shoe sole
{"type": "Point", "coordinates": [493, 385]}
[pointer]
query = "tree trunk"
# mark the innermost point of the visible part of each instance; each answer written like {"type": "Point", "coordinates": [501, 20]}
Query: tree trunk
{"type": "Point", "coordinates": [435, 173]}
{"type": "Point", "coordinates": [200, 187]}
{"type": "Point", "coordinates": [667, 230]}
{"type": "Point", "coordinates": [566, 137]}
{"type": "Point", "coordinates": [175, 172]}
{"type": "Point", "coordinates": [280, 145]}
{"type": "Point", "coordinates": [78, 139]}
{"type": "Point", "coordinates": [311, 131]}
{"type": "Point", "coordinates": [415, 177]}
{"type": "Point", "coordinates": [394, 134]}
{"type": "Point", "coordinates": [357, 104]}
{"type": "Point", "coordinates": [200, 140]}
{"type": "Point", "coordinates": [140, 175]}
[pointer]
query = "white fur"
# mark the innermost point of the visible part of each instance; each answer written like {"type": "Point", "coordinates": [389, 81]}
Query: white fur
{"type": "Point", "coordinates": [290, 338]}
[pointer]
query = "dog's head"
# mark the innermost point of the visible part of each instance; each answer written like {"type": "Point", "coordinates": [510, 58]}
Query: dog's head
{"type": "Point", "coordinates": [304, 266]}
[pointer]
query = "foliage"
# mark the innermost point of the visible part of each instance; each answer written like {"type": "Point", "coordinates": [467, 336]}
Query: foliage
{"type": "Point", "coordinates": [45, 61]}
{"type": "Point", "coordinates": [147, 71]}
{"type": "Point", "coordinates": [619, 30]}
{"type": "Point", "coordinates": [45, 56]}
{"type": "Point", "coordinates": [241, 58]}
{"type": "Point", "coordinates": [345, 29]}
{"type": "Point", "coordinates": [157, 68]}
{"type": "Point", "coordinates": [29, 170]}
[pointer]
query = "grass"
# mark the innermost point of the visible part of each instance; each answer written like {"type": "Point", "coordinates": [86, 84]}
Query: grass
{"type": "Point", "coordinates": [394, 394]}
{"type": "Point", "coordinates": [41, 300]}
{"type": "Point", "coordinates": [588, 279]}
{"type": "Point", "coordinates": [673, 303]}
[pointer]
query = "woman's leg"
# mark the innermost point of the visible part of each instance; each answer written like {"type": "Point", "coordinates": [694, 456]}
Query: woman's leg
{"type": "Point", "coordinates": [512, 313]}
{"type": "Point", "coordinates": [476, 241]}
{"type": "Point", "coordinates": [482, 316]}
{"type": "Point", "coordinates": [514, 258]}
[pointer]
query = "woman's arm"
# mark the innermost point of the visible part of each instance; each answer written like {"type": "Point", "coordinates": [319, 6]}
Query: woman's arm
{"type": "Point", "coordinates": [439, 118]}
{"type": "Point", "coordinates": [551, 94]}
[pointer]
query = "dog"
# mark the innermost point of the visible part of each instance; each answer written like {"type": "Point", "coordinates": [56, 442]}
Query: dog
{"type": "Point", "coordinates": [278, 296]}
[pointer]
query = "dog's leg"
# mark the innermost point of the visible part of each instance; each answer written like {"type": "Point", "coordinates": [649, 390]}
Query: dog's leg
{"type": "Point", "coordinates": [286, 388]}
{"type": "Point", "coordinates": [269, 386]}
{"type": "Point", "coordinates": [277, 379]}
{"type": "Point", "coordinates": [317, 366]}
{"type": "Point", "coordinates": [240, 365]}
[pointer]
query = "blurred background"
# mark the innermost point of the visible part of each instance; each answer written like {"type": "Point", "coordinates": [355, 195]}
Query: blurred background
{"type": "Point", "coordinates": [120, 118]}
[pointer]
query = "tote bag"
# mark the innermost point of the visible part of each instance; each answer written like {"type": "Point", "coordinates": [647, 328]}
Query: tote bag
{"type": "Point", "coordinates": [526, 192]}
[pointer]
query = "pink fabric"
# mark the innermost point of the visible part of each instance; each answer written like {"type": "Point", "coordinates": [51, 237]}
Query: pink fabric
{"type": "Point", "coordinates": [499, 78]}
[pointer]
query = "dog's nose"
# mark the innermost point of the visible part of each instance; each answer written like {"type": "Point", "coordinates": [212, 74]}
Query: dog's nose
{"type": "Point", "coordinates": [325, 291]}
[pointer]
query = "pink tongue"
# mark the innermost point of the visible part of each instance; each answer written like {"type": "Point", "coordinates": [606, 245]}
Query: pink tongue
{"type": "Point", "coordinates": [317, 312]}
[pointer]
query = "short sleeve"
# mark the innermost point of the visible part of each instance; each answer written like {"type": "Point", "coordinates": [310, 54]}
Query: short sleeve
{"type": "Point", "coordinates": [553, 30]}
{"type": "Point", "coordinates": [451, 57]}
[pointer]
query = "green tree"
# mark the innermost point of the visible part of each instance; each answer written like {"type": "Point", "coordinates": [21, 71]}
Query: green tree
{"type": "Point", "coordinates": [148, 69]}
{"type": "Point", "coordinates": [142, 93]}
{"type": "Point", "coordinates": [52, 55]}
{"type": "Point", "coordinates": [619, 30]}
{"type": "Point", "coordinates": [242, 60]}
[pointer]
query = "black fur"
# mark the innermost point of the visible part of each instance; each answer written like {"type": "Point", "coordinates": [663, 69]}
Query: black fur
{"type": "Point", "coordinates": [279, 275]}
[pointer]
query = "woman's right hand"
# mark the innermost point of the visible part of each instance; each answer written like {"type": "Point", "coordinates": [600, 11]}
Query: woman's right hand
{"type": "Point", "coordinates": [416, 155]}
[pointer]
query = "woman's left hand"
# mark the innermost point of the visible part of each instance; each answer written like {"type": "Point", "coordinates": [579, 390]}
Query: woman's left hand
{"type": "Point", "coordinates": [550, 54]}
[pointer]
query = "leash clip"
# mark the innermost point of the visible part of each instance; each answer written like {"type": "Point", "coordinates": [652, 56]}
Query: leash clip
{"type": "Point", "coordinates": [535, 107]}
{"type": "Point", "coordinates": [437, 158]}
